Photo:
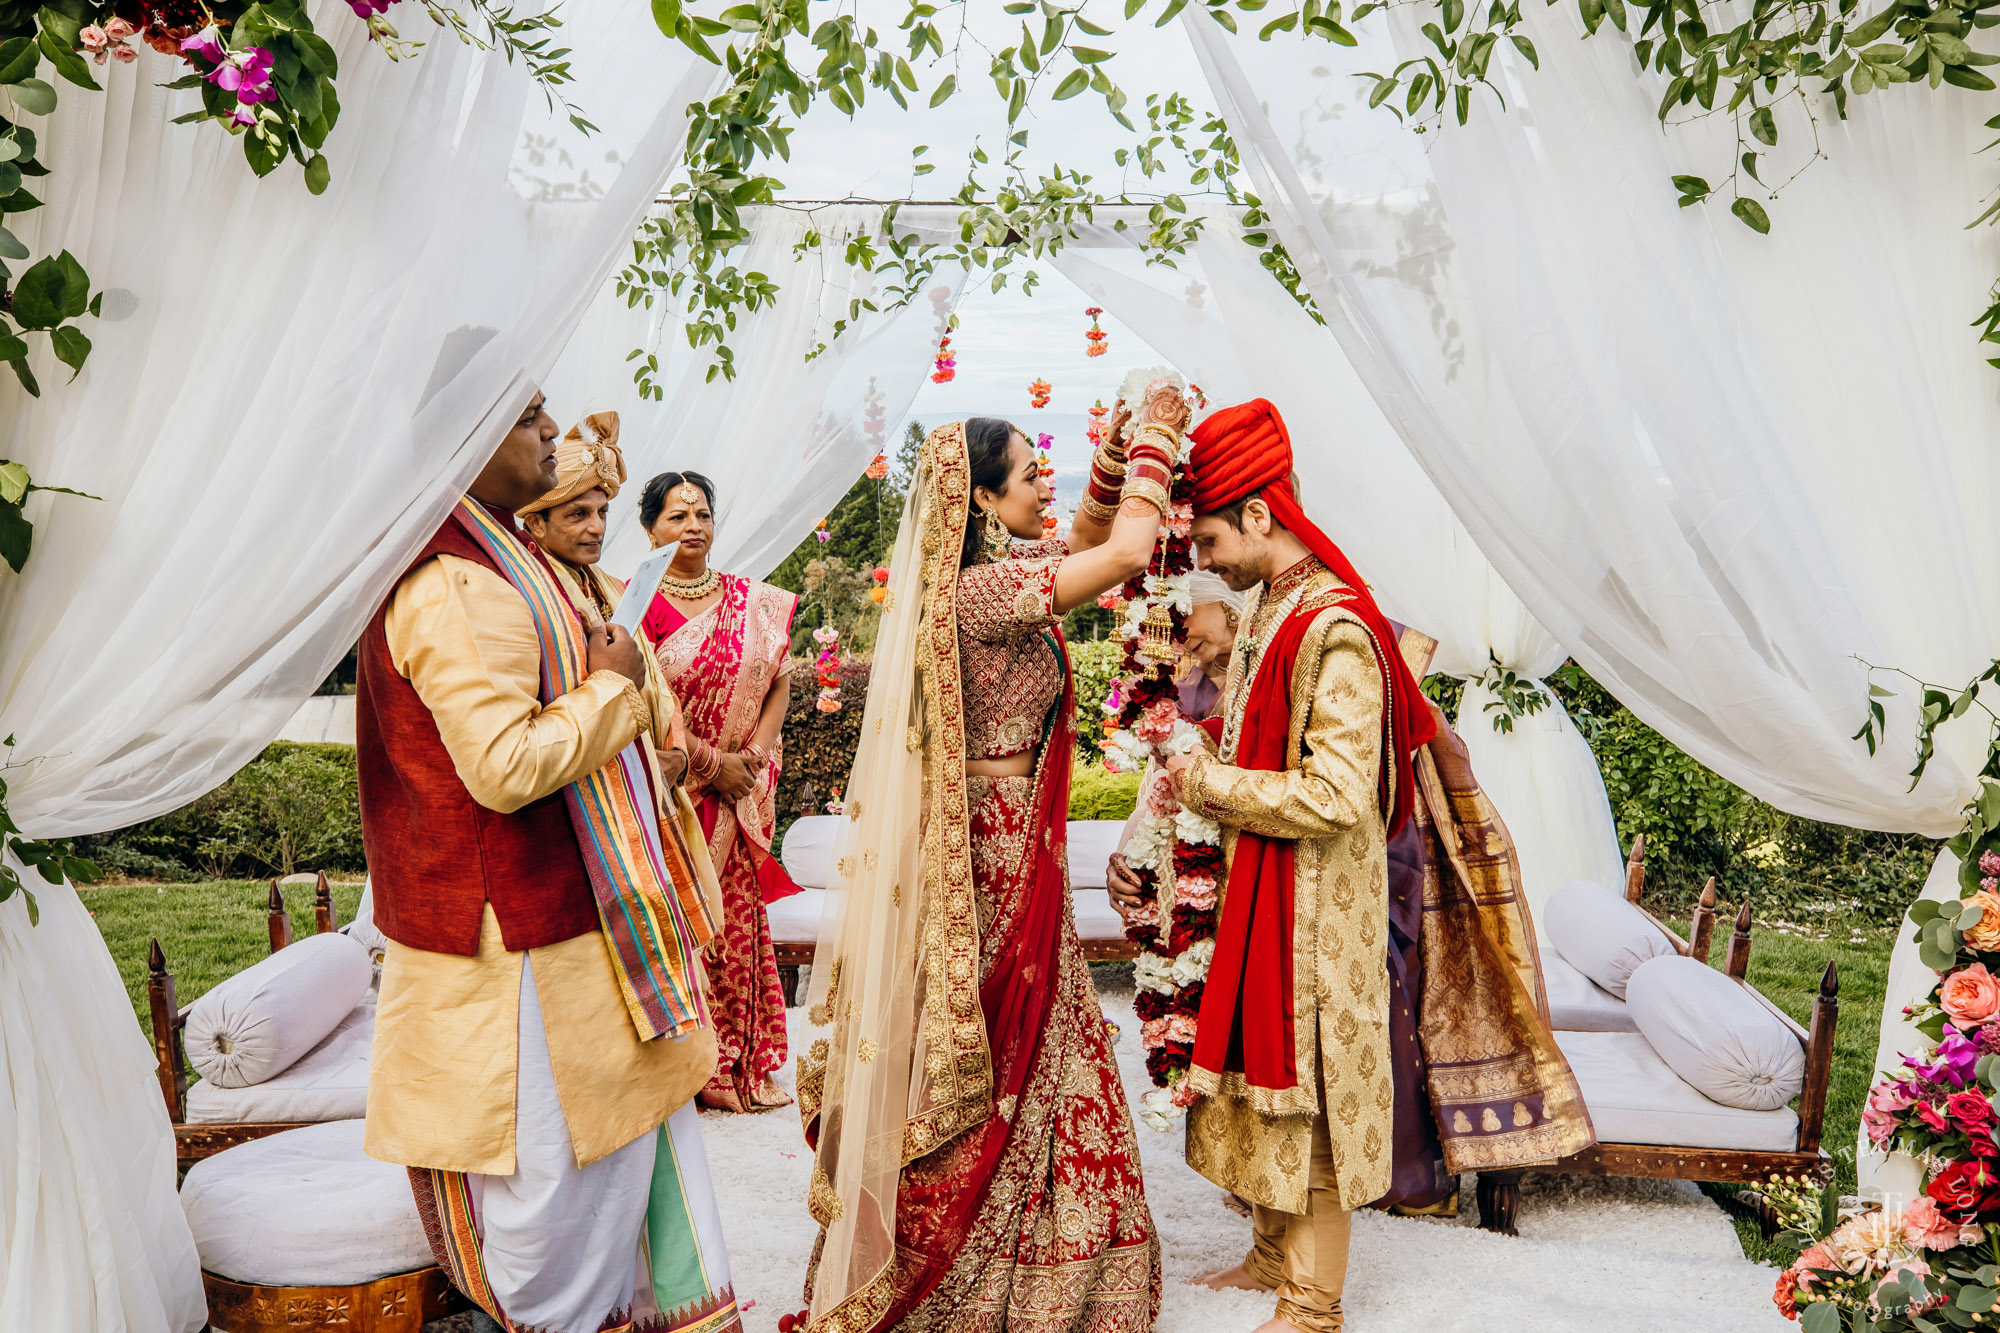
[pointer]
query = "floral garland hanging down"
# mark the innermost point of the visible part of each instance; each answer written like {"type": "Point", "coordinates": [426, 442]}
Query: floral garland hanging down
{"type": "Point", "coordinates": [1175, 855]}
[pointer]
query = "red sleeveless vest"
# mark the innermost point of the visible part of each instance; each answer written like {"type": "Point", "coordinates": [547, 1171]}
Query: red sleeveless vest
{"type": "Point", "coordinates": [436, 856]}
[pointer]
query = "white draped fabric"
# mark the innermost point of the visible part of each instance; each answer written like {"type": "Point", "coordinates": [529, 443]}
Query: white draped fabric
{"type": "Point", "coordinates": [1717, 466]}
{"type": "Point", "coordinates": [787, 437]}
{"type": "Point", "coordinates": [273, 430]}
{"type": "Point", "coordinates": [1220, 318]}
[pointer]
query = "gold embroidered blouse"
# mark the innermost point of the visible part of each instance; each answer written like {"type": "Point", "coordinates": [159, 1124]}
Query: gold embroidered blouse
{"type": "Point", "coordinates": [1013, 677]}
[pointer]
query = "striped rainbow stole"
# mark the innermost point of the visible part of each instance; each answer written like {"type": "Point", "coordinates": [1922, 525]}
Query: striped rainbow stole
{"type": "Point", "coordinates": [652, 946]}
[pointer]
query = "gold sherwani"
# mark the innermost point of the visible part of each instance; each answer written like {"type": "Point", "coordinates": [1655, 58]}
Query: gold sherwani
{"type": "Point", "coordinates": [1258, 1142]}
{"type": "Point", "coordinates": [442, 1082]}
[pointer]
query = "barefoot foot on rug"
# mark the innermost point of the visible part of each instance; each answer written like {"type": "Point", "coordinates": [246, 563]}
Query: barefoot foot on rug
{"type": "Point", "coordinates": [1236, 1279]}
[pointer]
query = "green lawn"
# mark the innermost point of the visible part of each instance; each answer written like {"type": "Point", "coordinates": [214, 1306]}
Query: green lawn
{"type": "Point", "coordinates": [1787, 968]}
{"type": "Point", "coordinates": [214, 930]}
{"type": "Point", "coordinates": [208, 931]}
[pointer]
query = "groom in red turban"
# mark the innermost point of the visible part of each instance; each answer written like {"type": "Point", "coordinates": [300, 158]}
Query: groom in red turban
{"type": "Point", "coordinates": [1311, 779]}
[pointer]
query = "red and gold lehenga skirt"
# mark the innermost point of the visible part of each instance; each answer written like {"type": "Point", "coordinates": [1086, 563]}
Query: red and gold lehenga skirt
{"type": "Point", "coordinates": [1035, 1220]}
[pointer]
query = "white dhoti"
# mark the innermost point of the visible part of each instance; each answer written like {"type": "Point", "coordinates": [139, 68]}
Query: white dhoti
{"type": "Point", "coordinates": [632, 1240]}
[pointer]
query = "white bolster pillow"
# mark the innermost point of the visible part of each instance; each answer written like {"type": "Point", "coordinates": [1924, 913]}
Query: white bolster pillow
{"type": "Point", "coordinates": [1600, 934]}
{"type": "Point", "coordinates": [1715, 1034]}
{"type": "Point", "coordinates": [256, 1024]}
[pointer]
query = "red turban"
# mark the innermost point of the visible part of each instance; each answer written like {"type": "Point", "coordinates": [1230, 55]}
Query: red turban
{"type": "Point", "coordinates": [1236, 451]}
{"type": "Point", "coordinates": [1246, 448]}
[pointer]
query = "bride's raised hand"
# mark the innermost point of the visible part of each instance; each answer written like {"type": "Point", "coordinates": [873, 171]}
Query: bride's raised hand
{"type": "Point", "coordinates": [1121, 417]}
{"type": "Point", "coordinates": [1164, 406]}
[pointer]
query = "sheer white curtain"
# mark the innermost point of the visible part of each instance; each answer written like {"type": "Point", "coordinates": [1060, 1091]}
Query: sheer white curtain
{"type": "Point", "coordinates": [1717, 466]}
{"type": "Point", "coordinates": [285, 397]}
{"type": "Point", "coordinates": [1220, 318]}
{"type": "Point", "coordinates": [786, 438]}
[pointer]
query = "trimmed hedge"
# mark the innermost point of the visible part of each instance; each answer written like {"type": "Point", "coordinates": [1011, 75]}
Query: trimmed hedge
{"type": "Point", "coordinates": [295, 806]}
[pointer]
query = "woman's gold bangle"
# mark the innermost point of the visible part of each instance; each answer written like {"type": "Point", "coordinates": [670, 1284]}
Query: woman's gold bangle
{"type": "Point", "coordinates": [1097, 510]}
{"type": "Point", "coordinates": [1145, 488]}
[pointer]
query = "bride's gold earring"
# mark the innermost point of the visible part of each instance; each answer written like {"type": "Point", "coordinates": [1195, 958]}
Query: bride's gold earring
{"type": "Point", "coordinates": [999, 541]}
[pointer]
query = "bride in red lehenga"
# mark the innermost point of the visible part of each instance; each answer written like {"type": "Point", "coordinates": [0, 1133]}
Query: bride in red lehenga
{"type": "Point", "coordinates": [975, 1164]}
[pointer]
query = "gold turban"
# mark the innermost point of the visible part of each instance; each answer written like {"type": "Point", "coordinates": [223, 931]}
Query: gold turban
{"type": "Point", "coordinates": [586, 458]}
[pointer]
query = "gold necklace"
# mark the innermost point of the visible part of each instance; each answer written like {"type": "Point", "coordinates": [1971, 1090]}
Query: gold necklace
{"type": "Point", "coordinates": [691, 590]}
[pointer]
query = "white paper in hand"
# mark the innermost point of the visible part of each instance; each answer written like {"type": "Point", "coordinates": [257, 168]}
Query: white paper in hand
{"type": "Point", "coordinates": [639, 592]}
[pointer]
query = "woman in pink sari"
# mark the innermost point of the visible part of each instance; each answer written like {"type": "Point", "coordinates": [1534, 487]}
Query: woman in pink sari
{"type": "Point", "coordinates": [723, 644]}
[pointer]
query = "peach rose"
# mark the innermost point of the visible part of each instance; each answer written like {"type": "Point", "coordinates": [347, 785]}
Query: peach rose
{"type": "Point", "coordinates": [1971, 996]}
{"type": "Point", "coordinates": [1985, 933]}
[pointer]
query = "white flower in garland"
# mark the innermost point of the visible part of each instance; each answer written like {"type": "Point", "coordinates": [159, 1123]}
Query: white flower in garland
{"type": "Point", "coordinates": [1192, 964]}
{"type": "Point", "coordinates": [1174, 589]}
{"type": "Point", "coordinates": [1158, 1110]}
{"type": "Point", "coordinates": [1154, 973]}
{"type": "Point", "coordinates": [1126, 753]}
{"type": "Point", "coordinates": [1151, 845]}
{"type": "Point", "coordinates": [1191, 827]}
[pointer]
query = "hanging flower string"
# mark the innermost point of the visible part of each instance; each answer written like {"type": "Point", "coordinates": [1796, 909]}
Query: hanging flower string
{"type": "Point", "coordinates": [1099, 413]}
{"type": "Point", "coordinates": [1170, 846]}
{"type": "Point", "coordinates": [1048, 471]}
{"type": "Point", "coordinates": [827, 666]}
{"type": "Point", "coordinates": [880, 592]}
{"type": "Point", "coordinates": [945, 369]}
{"type": "Point", "coordinates": [1038, 393]}
{"type": "Point", "coordinates": [820, 532]}
{"type": "Point", "coordinates": [879, 468]}
{"type": "Point", "coordinates": [875, 429]}
{"type": "Point", "coordinates": [836, 804]}
{"type": "Point", "coordinates": [1094, 344]}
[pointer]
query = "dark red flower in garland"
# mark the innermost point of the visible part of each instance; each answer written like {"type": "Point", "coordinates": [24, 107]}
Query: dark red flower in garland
{"type": "Point", "coordinates": [1965, 1190]}
{"type": "Point", "coordinates": [1148, 1005]}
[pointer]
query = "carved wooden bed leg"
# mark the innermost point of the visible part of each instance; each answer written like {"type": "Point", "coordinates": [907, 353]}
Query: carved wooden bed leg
{"type": "Point", "coordinates": [1635, 870]}
{"type": "Point", "coordinates": [1701, 930]}
{"type": "Point", "coordinates": [165, 1008]}
{"type": "Point", "coordinates": [788, 981]}
{"type": "Point", "coordinates": [279, 922]}
{"type": "Point", "coordinates": [1737, 963]}
{"type": "Point", "coordinates": [1499, 1197]}
{"type": "Point", "coordinates": [325, 919]}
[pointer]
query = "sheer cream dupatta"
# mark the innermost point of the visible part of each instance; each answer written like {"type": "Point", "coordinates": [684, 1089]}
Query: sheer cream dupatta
{"type": "Point", "coordinates": [896, 974]}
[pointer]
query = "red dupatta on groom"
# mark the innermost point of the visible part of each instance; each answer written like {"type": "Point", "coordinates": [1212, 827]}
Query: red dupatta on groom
{"type": "Point", "coordinates": [1246, 1024]}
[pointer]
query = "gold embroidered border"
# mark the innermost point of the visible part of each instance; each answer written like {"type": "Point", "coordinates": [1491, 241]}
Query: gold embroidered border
{"type": "Point", "coordinates": [861, 1311]}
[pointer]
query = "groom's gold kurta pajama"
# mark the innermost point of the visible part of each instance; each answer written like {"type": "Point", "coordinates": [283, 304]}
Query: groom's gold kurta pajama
{"type": "Point", "coordinates": [1305, 1156]}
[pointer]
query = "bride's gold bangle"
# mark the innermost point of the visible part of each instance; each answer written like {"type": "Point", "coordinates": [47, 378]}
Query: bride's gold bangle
{"type": "Point", "coordinates": [1145, 489]}
{"type": "Point", "coordinates": [1097, 510]}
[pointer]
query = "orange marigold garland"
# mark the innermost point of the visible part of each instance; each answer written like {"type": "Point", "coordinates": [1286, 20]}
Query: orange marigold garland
{"type": "Point", "coordinates": [1038, 393]}
{"type": "Point", "coordinates": [880, 592]}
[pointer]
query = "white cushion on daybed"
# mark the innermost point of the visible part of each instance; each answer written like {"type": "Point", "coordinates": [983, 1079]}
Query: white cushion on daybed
{"type": "Point", "coordinates": [1715, 1034]}
{"type": "Point", "coordinates": [795, 918]}
{"type": "Point", "coordinates": [305, 1208]}
{"type": "Point", "coordinates": [362, 929]}
{"type": "Point", "coordinates": [329, 1082]}
{"type": "Point", "coordinates": [1578, 1004]}
{"type": "Point", "coordinates": [808, 851]}
{"type": "Point", "coordinates": [1600, 934]}
{"type": "Point", "coordinates": [1633, 1097]}
{"type": "Point", "coordinates": [1091, 843]}
{"type": "Point", "coordinates": [258, 1022]}
{"type": "Point", "coordinates": [1096, 919]}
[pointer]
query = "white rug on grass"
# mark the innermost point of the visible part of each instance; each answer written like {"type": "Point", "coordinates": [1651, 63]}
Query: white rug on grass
{"type": "Point", "coordinates": [1593, 1254]}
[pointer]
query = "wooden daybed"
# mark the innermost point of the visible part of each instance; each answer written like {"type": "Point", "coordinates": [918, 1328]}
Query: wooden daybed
{"type": "Point", "coordinates": [397, 1303]}
{"type": "Point", "coordinates": [1499, 1191]}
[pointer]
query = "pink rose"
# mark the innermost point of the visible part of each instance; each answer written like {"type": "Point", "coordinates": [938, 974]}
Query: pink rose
{"type": "Point", "coordinates": [124, 55]}
{"type": "Point", "coordinates": [92, 37]}
{"type": "Point", "coordinates": [118, 30]}
{"type": "Point", "coordinates": [1971, 996]}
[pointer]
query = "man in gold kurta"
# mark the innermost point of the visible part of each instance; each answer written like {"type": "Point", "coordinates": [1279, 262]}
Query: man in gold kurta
{"type": "Point", "coordinates": [1311, 775]}
{"type": "Point", "coordinates": [507, 1072]}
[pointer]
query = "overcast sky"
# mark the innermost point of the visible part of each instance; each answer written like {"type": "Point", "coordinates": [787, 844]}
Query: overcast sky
{"type": "Point", "coordinates": [1006, 340]}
